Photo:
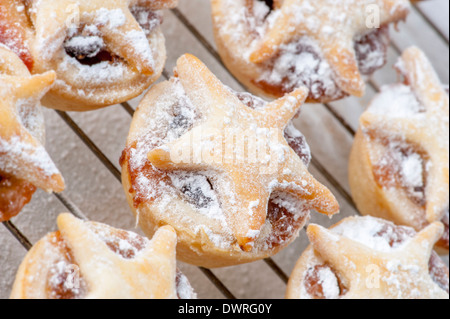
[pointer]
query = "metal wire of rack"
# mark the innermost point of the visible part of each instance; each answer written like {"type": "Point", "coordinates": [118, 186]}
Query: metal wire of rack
{"type": "Point", "coordinates": [334, 110]}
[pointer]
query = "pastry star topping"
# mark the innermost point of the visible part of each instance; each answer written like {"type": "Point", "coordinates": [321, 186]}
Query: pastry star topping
{"type": "Point", "coordinates": [247, 183]}
{"type": "Point", "coordinates": [400, 273]}
{"type": "Point", "coordinates": [120, 30]}
{"type": "Point", "coordinates": [149, 275]}
{"type": "Point", "coordinates": [427, 131]}
{"type": "Point", "coordinates": [334, 25]}
{"type": "Point", "coordinates": [21, 154]}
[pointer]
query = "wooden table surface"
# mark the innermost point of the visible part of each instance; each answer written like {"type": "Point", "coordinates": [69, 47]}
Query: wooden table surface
{"type": "Point", "coordinates": [88, 158]}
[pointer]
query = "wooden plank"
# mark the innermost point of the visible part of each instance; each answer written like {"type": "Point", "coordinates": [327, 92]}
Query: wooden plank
{"type": "Point", "coordinates": [436, 13]}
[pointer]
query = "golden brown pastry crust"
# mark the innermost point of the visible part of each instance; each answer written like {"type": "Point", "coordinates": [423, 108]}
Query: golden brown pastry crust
{"type": "Point", "coordinates": [92, 260]}
{"type": "Point", "coordinates": [233, 226]}
{"type": "Point", "coordinates": [398, 167]}
{"type": "Point", "coordinates": [300, 42]}
{"type": "Point", "coordinates": [365, 258]}
{"type": "Point", "coordinates": [24, 162]}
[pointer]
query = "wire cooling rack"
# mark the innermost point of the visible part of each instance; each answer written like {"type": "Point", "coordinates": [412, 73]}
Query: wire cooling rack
{"type": "Point", "coordinates": [86, 147]}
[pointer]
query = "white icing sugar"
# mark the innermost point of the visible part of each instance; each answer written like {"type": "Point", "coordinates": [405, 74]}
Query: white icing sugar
{"type": "Point", "coordinates": [17, 152]}
{"type": "Point", "coordinates": [97, 74]}
{"type": "Point", "coordinates": [85, 44]}
{"type": "Point", "coordinates": [140, 45]}
{"type": "Point", "coordinates": [198, 190]}
{"type": "Point", "coordinates": [374, 233]}
{"type": "Point", "coordinates": [184, 288]}
{"type": "Point", "coordinates": [412, 170]}
{"type": "Point", "coordinates": [114, 18]}
{"type": "Point", "coordinates": [396, 101]}
{"type": "Point", "coordinates": [304, 68]}
{"type": "Point", "coordinates": [329, 282]}
{"type": "Point", "coordinates": [31, 117]}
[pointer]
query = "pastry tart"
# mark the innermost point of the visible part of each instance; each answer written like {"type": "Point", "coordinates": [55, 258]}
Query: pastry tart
{"type": "Point", "coordinates": [370, 258]}
{"type": "Point", "coordinates": [89, 260]}
{"type": "Point", "coordinates": [227, 170]}
{"type": "Point", "coordinates": [276, 46]}
{"type": "Point", "coordinates": [399, 164]}
{"type": "Point", "coordinates": [24, 162]}
{"type": "Point", "coordinates": [103, 52]}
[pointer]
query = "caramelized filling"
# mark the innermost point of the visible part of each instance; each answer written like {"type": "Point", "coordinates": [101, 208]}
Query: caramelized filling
{"type": "Point", "coordinates": [196, 196]}
{"type": "Point", "coordinates": [14, 195]}
{"type": "Point", "coordinates": [289, 82]}
{"type": "Point", "coordinates": [86, 43]}
{"type": "Point", "coordinates": [444, 241]}
{"type": "Point", "coordinates": [439, 272]}
{"type": "Point", "coordinates": [64, 280]}
{"type": "Point", "coordinates": [284, 224]}
{"type": "Point", "coordinates": [146, 171]}
{"type": "Point", "coordinates": [371, 50]}
{"type": "Point", "coordinates": [13, 37]}
{"type": "Point", "coordinates": [87, 46]}
{"type": "Point", "coordinates": [314, 282]}
{"type": "Point", "coordinates": [396, 235]}
{"type": "Point", "coordinates": [389, 171]}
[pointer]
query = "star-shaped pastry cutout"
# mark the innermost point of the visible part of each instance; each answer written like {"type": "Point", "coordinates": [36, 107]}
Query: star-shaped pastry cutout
{"type": "Point", "coordinates": [119, 29]}
{"type": "Point", "coordinates": [150, 274]}
{"type": "Point", "coordinates": [246, 183]}
{"type": "Point", "coordinates": [333, 25]}
{"type": "Point", "coordinates": [426, 131]}
{"type": "Point", "coordinates": [367, 273]}
{"type": "Point", "coordinates": [21, 154]}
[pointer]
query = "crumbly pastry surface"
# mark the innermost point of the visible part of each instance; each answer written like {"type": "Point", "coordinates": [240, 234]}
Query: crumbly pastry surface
{"type": "Point", "coordinates": [273, 47]}
{"type": "Point", "coordinates": [92, 260]}
{"type": "Point", "coordinates": [104, 52]}
{"type": "Point", "coordinates": [24, 162]}
{"type": "Point", "coordinates": [226, 206]}
{"type": "Point", "coordinates": [367, 257]}
{"type": "Point", "coordinates": [398, 167]}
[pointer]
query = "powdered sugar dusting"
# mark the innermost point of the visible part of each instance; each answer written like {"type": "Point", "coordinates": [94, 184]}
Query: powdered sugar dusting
{"type": "Point", "coordinates": [140, 45]}
{"type": "Point", "coordinates": [19, 152]}
{"type": "Point", "coordinates": [125, 243]}
{"type": "Point", "coordinates": [299, 65]}
{"type": "Point", "coordinates": [184, 288]}
{"type": "Point", "coordinates": [198, 190]}
{"type": "Point", "coordinates": [396, 101]}
{"type": "Point", "coordinates": [101, 73]}
{"type": "Point", "coordinates": [114, 18]}
{"type": "Point", "coordinates": [374, 233]}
